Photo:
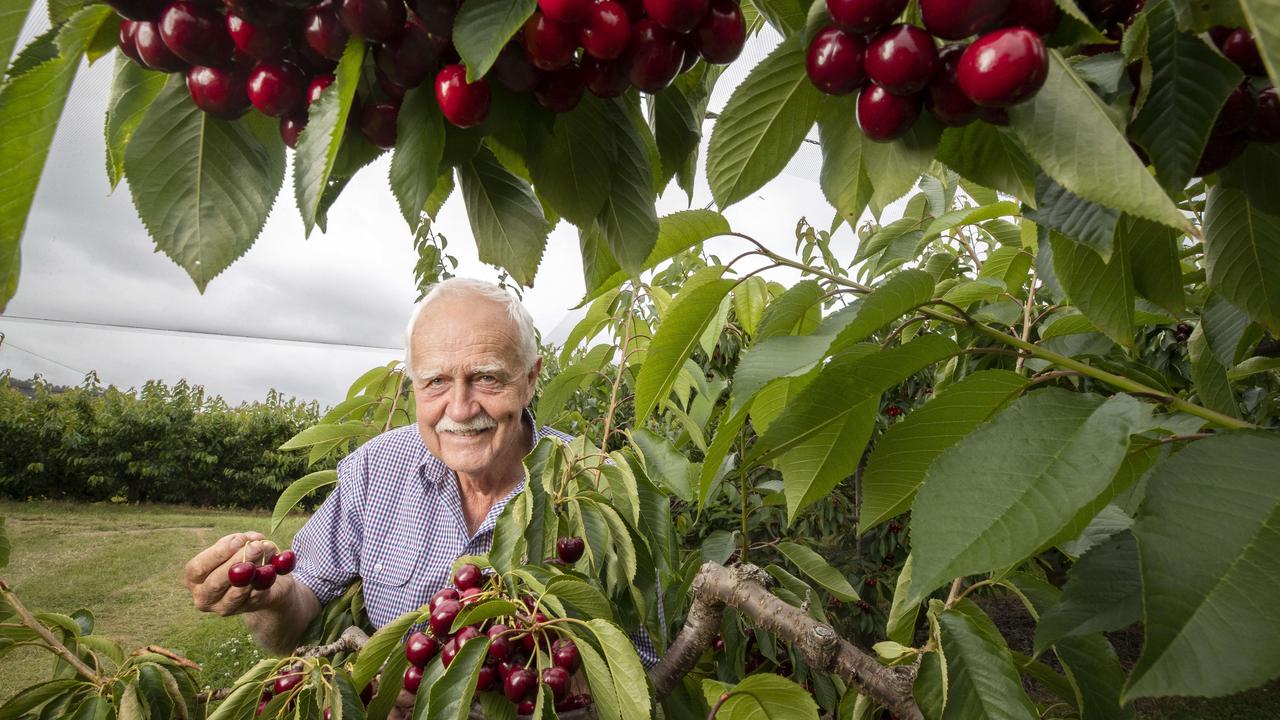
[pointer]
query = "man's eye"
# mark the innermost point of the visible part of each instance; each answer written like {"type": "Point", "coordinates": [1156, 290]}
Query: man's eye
{"type": "Point", "coordinates": [435, 382]}
{"type": "Point", "coordinates": [488, 379]}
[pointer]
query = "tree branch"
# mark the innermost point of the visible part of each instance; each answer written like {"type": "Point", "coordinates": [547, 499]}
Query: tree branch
{"type": "Point", "coordinates": [54, 644]}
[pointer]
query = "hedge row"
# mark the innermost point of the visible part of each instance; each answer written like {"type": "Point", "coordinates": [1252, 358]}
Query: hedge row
{"type": "Point", "coordinates": [156, 444]}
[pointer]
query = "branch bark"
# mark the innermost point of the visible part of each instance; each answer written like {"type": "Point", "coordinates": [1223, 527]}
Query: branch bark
{"type": "Point", "coordinates": [744, 589]}
{"type": "Point", "coordinates": [54, 644]}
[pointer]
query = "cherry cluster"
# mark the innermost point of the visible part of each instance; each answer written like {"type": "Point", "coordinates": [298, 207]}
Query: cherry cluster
{"type": "Point", "coordinates": [515, 643]}
{"type": "Point", "coordinates": [277, 56]}
{"type": "Point", "coordinates": [262, 576]}
{"type": "Point", "coordinates": [1252, 111]}
{"type": "Point", "coordinates": [898, 69]}
{"type": "Point", "coordinates": [289, 679]}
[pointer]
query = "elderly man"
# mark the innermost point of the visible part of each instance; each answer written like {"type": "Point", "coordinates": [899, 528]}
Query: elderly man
{"type": "Point", "coordinates": [412, 500]}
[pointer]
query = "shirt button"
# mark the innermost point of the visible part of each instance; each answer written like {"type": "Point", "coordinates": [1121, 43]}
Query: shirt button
{"type": "Point", "coordinates": [377, 567]}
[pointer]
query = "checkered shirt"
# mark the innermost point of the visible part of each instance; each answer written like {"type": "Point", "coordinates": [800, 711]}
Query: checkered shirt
{"type": "Point", "coordinates": [395, 522]}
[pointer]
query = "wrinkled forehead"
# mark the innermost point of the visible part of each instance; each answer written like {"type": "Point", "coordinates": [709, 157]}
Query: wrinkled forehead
{"type": "Point", "coordinates": [473, 336]}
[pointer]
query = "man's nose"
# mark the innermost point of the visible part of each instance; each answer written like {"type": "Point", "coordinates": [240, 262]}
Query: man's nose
{"type": "Point", "coordinates": [462, 405]}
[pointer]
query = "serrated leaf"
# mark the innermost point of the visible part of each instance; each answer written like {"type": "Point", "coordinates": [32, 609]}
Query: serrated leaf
{"type": "Point", "coordinates": [554, 396]}
{"type": "Point", "coordinates": [133, 89]}
{"type": "Point", "coordinates": [415, 165]}
{"type": "Point", "coordinates": [629, 681]}
{"type": "Point", "coordinates": [1209, 541]}
{"type": "Point", "coordinates": [1253, 173]}
{"type": "Point", "coordinates": [812, 564]}
{"type": "Point", "coordinates": [666, 466]}
{"type": "Point", "coordinates": [603, 694]}
{"type": "Point", "coordinates": [762, 125]}
{"type": "Point", "coordinates": [844, 179]}
{"type": "Point", "coordinates": [749, 300]}
{"type": "Point", "coordinates": [628, 219]}
{"type": "Point", "coordinates": [246, 694]}
{"type": "Point", "coordinates": [1012, 484]}
{"type": "Point", "coordinates": [1153, 258]}
{"type": "Point", "coordinates": [982, 680]}
{"type": "Point", "coordinates": [572, 166]}
{"type": "Point", "coordinates": [506, 218]}
{"type": "Point", "coordinates": [901, 623]}
{"type": "Point", "coordinates": [677, 232]}
{"type": "Point", "coordinates": [483, 27]}
{"type": "Point", "coordinates": [761, 696]}
{"type": "Point", "coordinates": [1103, 592]}
{"type": "Point", "coordinates": [318, 145]}
{"type": "Point", "coordinates": [325, 433]}
{"type": "Point", "coordinates": [816, 465]}
{"type": "Point", "coordinates": [585, 597]}
{"type": "Point", "coordinates": [902, 456]}
{"type": "Point", "coordinates": [1066, 128]}
{"type": "Point", "coordinates": [676, 337]}
{"type": "Point", "coordinates": [990, 157]}
{"type": "Point", "coordinates": [894, 167]}
{"type": "Point", "coordinates": [731, 422]}
{"type": "Point", "coordinates": [12, 17]}
{"type": "Point", "coordinates": [380, 646]}
{"type": "Point", "coordinates": [1264, 21]}
{"type": "Point", "coordinates": [1103, 291]}
{"type": "Point", "coordinates": [35, 696]}
{"type": "Point", "coordinates": [1087, 223]}
{"type": "Point", "coordinates": [450, 697]}
{"type": "Point", "coordinates": [1213, 388]}
{"type": "Point", "coordinates": [1190, 82]}
{"type": "Point", "coordinates": [1242, 254]}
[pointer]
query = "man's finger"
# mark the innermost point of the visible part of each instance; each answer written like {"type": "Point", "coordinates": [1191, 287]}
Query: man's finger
{"type": "Point", "coordinates": [202, 565]}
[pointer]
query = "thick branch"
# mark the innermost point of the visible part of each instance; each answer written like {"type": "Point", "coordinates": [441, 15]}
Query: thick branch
{"type": "Point", "coordinates": [351, 640]}
{"type": "Point", "coordinates": [743, 588]}
{"type": "Point", "coordinates": [54, 644]}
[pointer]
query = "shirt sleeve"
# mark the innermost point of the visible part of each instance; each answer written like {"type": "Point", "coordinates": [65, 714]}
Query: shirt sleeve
{"type": "Point", "coordinates": [328, 545]}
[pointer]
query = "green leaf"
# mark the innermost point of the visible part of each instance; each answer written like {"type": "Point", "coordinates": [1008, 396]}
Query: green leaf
{"type": "Point", "coordinates": [1252, 172]}
{"type": "Point", "coordinates": [451, 695]}
{"type": "Point", "coordinates": [415, 165]}
{"type": "Point", "coordinates": [628, 218]}
{"type": "Point", "coordinates": [894, 167]}
{"type": "Point", "coordinates": [1153, 258]}
{"type": "Point", "coordinates": [506, 218]}
{"type": "Point", "coordinates": [318, 145]}
{"type": "Point", "coordinates": [812, 468]}
{"type": "Point", "coordinates": [731, 422]}
{"type": "Point", "coordinates": [30, 108]}
{"type": "Point", "coordinates": [483, 27]}
{"type": "Point", "coordinates": [131, 705]}
{"type": "Point", "coordinates": [1066, 128]}
{"type": "Point", "coordinates": [749, 300]}
{"type": "Point", "coordinates": [297, 490]}
{"type": "Point", "coordinates": [380, 646]}
{"type": "Point", "coordinates": [1190, 81]}
{"type": "Point", "coordinates": [1089, 224]}
{"type": "Point", "coordinates": [991, 157]}
{"type": "Point", "coordinates": [1103, 592]}
{"type": "Point", "coordinates": [476, 613]}
{"type": "Point", "coordinates": [1209, 541]}
{"type": "Point", "coordinates": [317, 434]}
{"type": "Point", "coordinates": [1265, 24]}
{"type": "Point", "coordinates": [246, 694]}
{"type": "Point", "coordinates": [844, 178]}
{"type": "Point", "coordinates": [572, 166]}
{"type": "Point", "coordinates": [761, 696]}
{"type": "Point", "coordinates": [901, 458]}
{"type": "Point", "coordinates": [678, 115]}
{"type": "Point", "coordinates": [630, 682]}
{"type": "Point", "coordinates": [133, 89]}
{"type": "Point", "coordinates": [35, 696]}
{"type": "Point", "coordinates": [13, 16]}
{"type": "Point", "coordinates": [1012, 484]}
{"type": "Point", "coordinates": [603, 695]}
{"type": "Point", "coordinates": [556, 394]}
{"type": "Point", "coordinates": [676, 337]}
{"type": "Point", "coordinates": [785, 16]}
{"type": "Point", "coordinates": [154, 692]}
{"type": "Point", "coordinates": [1213, 388]}
{"type": "Point", "coordinates": [763, 124]}
{"type": "Point", "coordinates": [858, 373]}
{"type": "Point", "coordinates": [812, 564]}
{"type": "Point", "coordinates": [1103, 291]}
{"type": "Point", "coordinates": [585, 597]}
{"type": "Point", "coordinates": [666, 466]}
{"type": "Point", "coordinates": [901, 624]}
{"type": "Point", "coordinates": [982, 679]}
{"type": "Point", "coordinates": [1242, 252]}
{"type": "Point", "coordinates": [96, 707]}
{"type": "Point", "coordinates": [677, 232]}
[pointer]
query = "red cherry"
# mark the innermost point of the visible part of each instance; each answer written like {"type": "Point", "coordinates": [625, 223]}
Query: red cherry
{"type": "Point", "coordinates": [266, 14]}
{"type": "Point", "coordinates": [1265, 127]}
{"type": "Point", "coordinates": [277, 89]}
{"type": "Point", "coordinates": [560, 90]}
{"type": "Point", "coordinates": [376, 20]}
{"type": "Point", "coordinates": [570, 549]}
{"type": "Point", "coordinates": [606, 31]}
{"type": "Point", "coordinates": [526, 707]}
{"type": "Point", "coordinates": [519, 684]}
{"type": "Point", "coordinates": [412, 679]}
{"type": "Point", "coordinates": [220, 93]}
{"type": "Point", "coordinates": [505, 667]}
{"type": "Point", "coordinates": [678, 16]}
{"type": "Point", "coordinates": [564, 654]}
{"type": "Point", "coordinates": [323, 30]}
{"type": "Point", "coordinates": [556, 678]}
{"type": "Point", "coordinates": [1042, 16]}
{"type": "Point", "coordinates": [285, 562]}
{"type": "Point", "coordinates": [152, 50]}
{"type": "Point", "coordinates": [467, 575]}
{"type": "Point", "coordinates": [569, 12]}
{"type": "Point", "coordinates": [550, 44]}
{"type": "Point", "coordinates": [443, 594]}
{"type": "Point", "coordinates": [260, 42]}
{"type": "Point", "coordinates": [654, 56]}
{"type": "Point", "coordinates": [1241, 49]}
{"type": "Point", "coordinates": [470, 595]}
{"type": "Point", "coordinates": [240, 574]}
{"type": "Point", "coordinates": [317, 86]}
{"type": "Point", "coordinates": [137, 9]}
{"type": "Point", "coordinates": [285, 683]}
{"type": "Point", "coordinates": [485, 678]}
{"type": "Point", "coordinates": [264, 576]}
{"type": "Point", "coordinates": [499, 645]}
{"type": "Point", "coordinates": [378, 123]}
{"type": "Point", "coordinates": [126, 41]}
{"type": "Point", "coordinates": [291, 128]}
{"type": "Point", "coordinates": [448, 652]}
{"type": "Point", "coordinates": [412, 56]}
{"type": "Point", "coordinates": [513, 70]}
{"type": "Point", "coordinates": [195, 33]}
{"type": "Point", "coordinates": [605, 78]}
{"type": "Point", "coordinates": [902, 59]}
{"type": "Point", "coordinates": [883, 116]}
{"type": "Point", "coordinates": [1003, 68]}
{"type": "Point", "coordinates": [465, 105]}
{"type": "Point", "coordinates": [835, 62]}
{"type": "Point", "coordinates": [958, 19]}
{"type": "Point", "coordinates": [437, 15]}
{"type": "Point", "coordinates": [420, 648]}
{"type": "Point", "coordinates": [442, 617]}
{"type": "Point", "coordinates": [722, 33]}
{"type": "Point", "coordinates": [864, 17]}
{"type": "Point", "coordinates": [1237, 112]}
{"type": "Point", "coordinates": [946, 100]}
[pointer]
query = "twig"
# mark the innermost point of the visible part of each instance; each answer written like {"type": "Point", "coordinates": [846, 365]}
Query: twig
{"type": "Point", "coordinates": [179, 659]}
{"type": "Point", "coordinates": [54, 644]}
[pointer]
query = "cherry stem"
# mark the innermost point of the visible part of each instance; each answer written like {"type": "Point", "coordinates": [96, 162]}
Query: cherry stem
{"type": "Point", "coordinates": [724, 697]}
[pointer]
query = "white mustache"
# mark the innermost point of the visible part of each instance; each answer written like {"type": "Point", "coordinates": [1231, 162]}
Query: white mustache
{"type": "Point", "coordinates": [476, 424]}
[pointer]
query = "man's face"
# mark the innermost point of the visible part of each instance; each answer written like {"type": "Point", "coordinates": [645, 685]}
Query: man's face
{"type": "Point", "coordinates": [470, 388]}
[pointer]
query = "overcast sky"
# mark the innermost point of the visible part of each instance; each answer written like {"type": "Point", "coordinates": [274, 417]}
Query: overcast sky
{"type": "Point", "coordinates": [303, 316]}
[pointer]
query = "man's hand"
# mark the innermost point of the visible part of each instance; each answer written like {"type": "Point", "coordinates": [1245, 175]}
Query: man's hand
{"type": "Point", "coordinates": [404, 706]}
{"type": "Point", "coordinates": [206, 576]}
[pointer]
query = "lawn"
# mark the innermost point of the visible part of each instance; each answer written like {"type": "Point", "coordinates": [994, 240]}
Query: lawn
{"type": "Point", "coordinates": [125, 564]}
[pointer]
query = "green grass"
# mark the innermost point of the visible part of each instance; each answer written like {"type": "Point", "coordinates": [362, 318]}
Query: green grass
{"type": "Point", "coordinates": [125, 564]}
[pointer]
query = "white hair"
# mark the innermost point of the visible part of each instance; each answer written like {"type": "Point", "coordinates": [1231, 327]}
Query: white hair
{"type": "Point", "coordinates": [520, 317]}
